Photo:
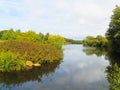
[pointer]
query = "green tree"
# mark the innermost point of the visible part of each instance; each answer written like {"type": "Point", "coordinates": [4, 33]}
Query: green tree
{"type": "Point", "coordinates": [101, 41]}
{"type": "Point", "coordinates": [57, 40]}
{"type": "Point", "coordinates": [98, 41]}
{"type": "Point", "coordinates": [8, 35]}
{"type": "Point", "coordinates": [113, 32]}
{"type": "Point", "coordinates": [29, 36]}
{"type": "Point", "coordinates": [46, 37]}
{"type": "Point", "coordinates": [88, 41]}
{"type": "Point", "coordinates": [113, 76]}
{"type": "Point", "coordinates": [41, 36]}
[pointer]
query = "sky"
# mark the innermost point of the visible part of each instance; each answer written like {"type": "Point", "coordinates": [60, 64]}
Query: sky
{"type": "Point", "coordinates": [74, 19]}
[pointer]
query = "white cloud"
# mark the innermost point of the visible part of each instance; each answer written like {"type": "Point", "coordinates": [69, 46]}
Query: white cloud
{"type": "Point", "coordinates": [71, 18]}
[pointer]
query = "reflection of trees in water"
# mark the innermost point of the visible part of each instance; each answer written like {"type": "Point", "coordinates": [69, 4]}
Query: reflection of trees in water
{"type": "Point", "coordinates": [92, 51]}
{"type": "Point", "coordinates": [10, 79]}
{"type": "Point", "coordinates": [113, 70]}
{"type": "Point", "coordinates": [113, 57]}
{"type": "Point", "coordinates": [113, 76]}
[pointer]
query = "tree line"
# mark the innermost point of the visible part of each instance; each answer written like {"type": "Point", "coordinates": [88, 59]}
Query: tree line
{"type": "Point", "coordinates": [111, 41]}
{"type": "Point", "coordinates": [98, 41]}
{"type": "Point", "coordinates": [32, 36]}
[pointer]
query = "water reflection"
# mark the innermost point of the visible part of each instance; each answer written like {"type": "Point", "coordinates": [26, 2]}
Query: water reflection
{"type": "Point", "coordinates": [13, 79]}
{"type": "Point", "coordinates": [113, 70]}
{"type": "Point", "coordinates": [81, 69]}
{"type": "Point", "coordinates": [94, 51]}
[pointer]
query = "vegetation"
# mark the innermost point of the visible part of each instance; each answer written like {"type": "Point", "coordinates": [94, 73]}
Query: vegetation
{"type": "Point", "coordinates": [57, 40]}
{"type": "Point", "coordinates": [98, 41]}
{"type": "Point", "coordinates": [113, 36]}
{"type": "Point", "coordinates": [113, 76]}
{"type": "Point", "coordinates": [8, 61]}
{"type": "Point", "coordinates": [113, 32]}
{"type": "Point", "coordinates": [34, 52]}
{"type": "Point", "coordinates": [18, 78]}
{"type": "Point", "coordinates": [113, 70]}
{"type": "Point", "coordinates": [71, 41]}
{"type": "Point", "coordinates": [32, 36]}
{"type": "Point", "coordinates": [16, 48]}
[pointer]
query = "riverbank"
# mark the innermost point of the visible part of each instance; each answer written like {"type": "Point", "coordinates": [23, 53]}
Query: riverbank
{"type": "Point", "coordinates": [15, 55]}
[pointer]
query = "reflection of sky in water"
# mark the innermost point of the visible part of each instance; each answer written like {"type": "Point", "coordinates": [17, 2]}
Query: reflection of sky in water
{"type": "Point", "coordinates": [76, 72]}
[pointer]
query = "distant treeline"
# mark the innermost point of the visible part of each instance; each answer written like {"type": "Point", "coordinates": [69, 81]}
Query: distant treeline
{"type": "Point", "coordinates": [72, 41]}
{"type": "Point", "coordinates": [98, 41]}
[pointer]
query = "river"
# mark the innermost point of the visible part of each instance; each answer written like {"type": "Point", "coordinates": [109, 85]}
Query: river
{"type": "Point", "coordinates": [79, 70]}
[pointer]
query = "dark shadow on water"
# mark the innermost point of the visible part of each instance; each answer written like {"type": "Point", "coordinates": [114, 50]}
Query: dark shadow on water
{"type": "Point", "coordinates": [113, 70]}
{"type": "Point", "coordinates": [11, 79]}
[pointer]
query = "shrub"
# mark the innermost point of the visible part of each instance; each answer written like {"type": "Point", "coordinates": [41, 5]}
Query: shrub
{"type": "Point", "coordinates": [9, 62]}
{"type": "Point", "coordinates": [31, 51]}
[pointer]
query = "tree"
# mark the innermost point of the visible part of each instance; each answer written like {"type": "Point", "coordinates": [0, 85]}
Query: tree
{"type": "Point", "coordinates": [57, 40]}
{"type": "Point", "coordinates": [41, 35]}
{"type": "Point", "coordinates": [113, 32]}
{"type": "Point", "coordinates": [101, 41]}
{"type": "Point", "coordinates": [88, 41]}
{"type": "Point", "coordinates": [46, 36]}
{"type": "Point", "coordinates": [98, 41]}
{"type": "Point", "coordinates": [29, 36]}
{"type": "Point", "coordinates": [8, 35]}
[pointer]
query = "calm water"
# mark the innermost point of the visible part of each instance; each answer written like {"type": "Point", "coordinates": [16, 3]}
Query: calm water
{"type": "Point", "coordinates": [80, 69]}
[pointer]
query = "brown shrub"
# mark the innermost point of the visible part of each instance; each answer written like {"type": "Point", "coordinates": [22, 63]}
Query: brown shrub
{"type": "Point", "coordinates": [31, 51]}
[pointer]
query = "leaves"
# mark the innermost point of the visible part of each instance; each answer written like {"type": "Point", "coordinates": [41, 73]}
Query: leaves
{"type": "Point", "coordinates": [113, 32]}
{"type": "Point", "coordinates": [113, 76]}
{"type": "Point", "coordinates": [29, 51]}
{"type": "Point", "coordinates": [98, 41]}
{"type": "Point", "coordinates": [9, 62]}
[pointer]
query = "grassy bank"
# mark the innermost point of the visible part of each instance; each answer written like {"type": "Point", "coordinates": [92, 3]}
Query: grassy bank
{"type": "Point", "coordinates": [15, 54]}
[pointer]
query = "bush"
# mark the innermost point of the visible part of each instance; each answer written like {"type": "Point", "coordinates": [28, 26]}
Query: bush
{"type": "Point", "coordinates": [9, 62]}
{"type": "Point", "coordinates": [31, 51]}
{"type": "Point", "coordinates": [113, 76]}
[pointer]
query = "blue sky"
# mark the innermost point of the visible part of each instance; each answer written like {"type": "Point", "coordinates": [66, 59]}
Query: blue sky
{"type": "Point", "coordinates": [69, 18]}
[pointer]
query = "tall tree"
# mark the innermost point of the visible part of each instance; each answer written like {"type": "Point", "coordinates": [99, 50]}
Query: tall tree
{"type": "Point", "coordinates": [113, 32]}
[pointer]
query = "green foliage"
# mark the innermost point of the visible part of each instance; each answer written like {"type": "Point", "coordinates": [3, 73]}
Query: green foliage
{"type": "Point", "coordinates": [89, 41]}
{"type": "Point", "coordinates": [7, 35]}
{"type": "Point", "coordinates": [29, 36]}
{"type": "Point", "coordinates": [8, 62]}
{"type": "Point", "coordinates": [98, 41]}
{"type": "Point", "coordinates": [46, 37]}
{"type": "Point", "coordinates": [57, 40]}
{"type": "Point", "coordinates": [31, 51]}
{"type": "Point", "coordinates": [113, 76]}
{"type": "Point", "coordinates": [41, 37]}
{"type": "Point", "coordinates": [71, 41]}
{"type": "Point", "coordinates": [30, 46]}
{"type": "Point", "coordinates": [113, 32]}
{"type": "Point", "coordinates": [32, 36]}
